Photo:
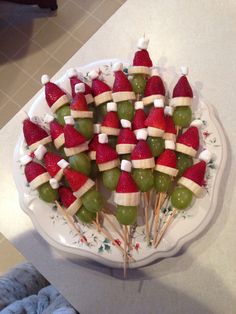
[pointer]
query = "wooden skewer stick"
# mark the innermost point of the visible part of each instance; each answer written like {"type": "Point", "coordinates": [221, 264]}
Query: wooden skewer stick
{"type": "Point", "coordinates": [70, 222]}
{"type": "Point", "coordinates": [167, 224]}
{"type": "Point", "coordinates": [146, 206]}
{"type": "Point", "coordinates": [157, 214]}
{"type": "Point", "coordinates": [114, 226]}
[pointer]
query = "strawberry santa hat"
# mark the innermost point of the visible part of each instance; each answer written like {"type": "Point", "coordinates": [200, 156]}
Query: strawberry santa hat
{"type": "Point", "coordinates": [155, 121]}
{"type": "Point", "coordinates": [141, 62]}
{"type": "Point", "coordinates": [166, 162]}
{"type": "Point", "coordinates": [101, 91]}
{"type": "Point", "coordinates": [126, 139]}
{"type": "Point", "coordinates": [54, 95]}
{"type": "Point", "coordinates": [182, 93]}
{"type": "Point", "coordinates": [154, 88]}
{"type": "Point", "coordinates": [35, 135]}
{"type": "Point", "coordinates": [75, 142]}
{"type": "Point", "coordinates": [188, 142]}
{"type": "Point", "coordinates": [76, 78]}
{"type": "Point", "coordinates": [122, 88]}
{"type": "Point", "coordinates": [111, 123]}
{"type": "Point", "coordinates": [69, 201]}
{"type": "Point", "coordinates": [35, 174]}
{"type": "Point", "coordinates": [57, 133]}
{"type": "Point", "coordinates": [106, 157]}
{"type": "Point", "coordinates": [94, 141]}
{"type": "Point", "coordinates": [193, 177]}
{"type": "Point", "coordinates": [170, 130]}
{"type": "Point", "coordinates": [51, 161]}
{"type": "Point", "coordinates": [127, 193]}
{"type": "Point", "coordinates": [138, 122]}
{"type": "Point", "coordinates": [141, 155]}
{"type": "Point", "coordinates": [79, 107]}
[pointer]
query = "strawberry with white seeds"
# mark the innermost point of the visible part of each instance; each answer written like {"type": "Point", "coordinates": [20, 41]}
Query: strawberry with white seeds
{"type": "Point", "coordinates": [79, 107]}
{"type": "Point", "coordinates": [170, 130]}
{"type": "Point", "coordinates": [35, 135]}
{"type": "Point", "coordinates": [126, 139]}
{"type": "Point", "coordinates": [101, 91]}
{"type": "Point", "coordinates": [111, 123]}
{"type": "Point", "coordinates": [51, 163]}
{"type": "Point", "coordinates": [138, 122]}
{"type": "Point", "coordinates": [75, 142]}
{"type": "Point", "coordinates": [154, 88]}
{"type": "Point", "coordinates": [155, 121]}
{"type": "Point", "coordinates": [57, 133]}
{"type": "Point", "coordinates": [69, 201]}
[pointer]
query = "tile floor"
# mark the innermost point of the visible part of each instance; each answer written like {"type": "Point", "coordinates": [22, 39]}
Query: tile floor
{"type": "Point", "coordinates": [35, 41]}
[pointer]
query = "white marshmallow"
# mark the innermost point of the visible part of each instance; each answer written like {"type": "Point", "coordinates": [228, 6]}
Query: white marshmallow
{"type": "Point", "coordinates": [111, 106]}
{"type": "Point", "coordinates": [125, 123]}
{"type": "Point", "coordinates": [24, 160]}
{"type": "Point", "coordinates": [48, 118]}
{"type": "Point", "coordinates": [141, 134]}
{"type": "Point", "coordinates": [40, 152]}
{"type": "Point", "coordinates": [168, 110]}
{"type": "Point", "coordinates": [184, 70]}
{"type": "Point", "coordinates": [197, 123]}
{"type": "Point", "coordinates": [69, 120]}
{"type": "Point", "coordinates": [155, 71]}
{"type": "Point", "coordinates": [138, 105]}
{"type": "Point", "coordinates": [80, 88]}
{"type": "Point", "coordinates": [93, 74]}
{"type": "Point", "coordinates": [71, 72]}
{"type": "Point", "coordinates": [54, 183]}
{"type": "Point", "coordinates": [63, 164]}
{"type": "Point", "coordinates": [205, 155]}
{"type": "Point", "coordinates": [126, 165]}
{"type": "Point", "coordinates": [130, 77]}
{"type": "Point", "coordinates": [143, 43]}
{"type": "Point", "coordinates": [169, 145]}
{"type": "Point", "coordinates": [158, 103]}
{"type": "Point", "coordinates": [96, 128]}
{"type": "Point", "coordinates": [45, 79]}
{"type": "Point", "coordinates": [117, 66]}
{"type": "Point", "coordinates": [102, 138]}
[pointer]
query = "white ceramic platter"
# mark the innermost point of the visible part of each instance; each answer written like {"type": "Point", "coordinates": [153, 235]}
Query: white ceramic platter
{"type": "Point", "coordinates": [188, 224]}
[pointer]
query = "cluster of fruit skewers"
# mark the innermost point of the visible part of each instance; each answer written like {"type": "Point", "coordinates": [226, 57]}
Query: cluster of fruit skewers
{"type": "Point", "coordinates": [128, 137]}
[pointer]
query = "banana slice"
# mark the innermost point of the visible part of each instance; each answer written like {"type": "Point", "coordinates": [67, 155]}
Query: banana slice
{"type": "Point", "coordinates": [150, 99]}
{"type": "Point", "coordinates": [124, 148]}
{"type": "Point", "coordinates": [63, 100]}
{"type": "Point", "coordinates": [76, 150]}
{"type": "Point", "coordinates": [87, 186]}
{"type": "Point", "coordinates": [191, 185]}
{"type": "Point", "coordinates": [59, 141]}
{"type": "Point", "coordinates": [104, 97]}
{"type": "Point", "coordinates": [181, 101]}
{"type": "Point", "coordinates": [143, 163]}
{"type": "Point", "coordinates": [81, 114]}
{"type": "Point", "coordinates": [168, 170]}
{"type": "Point", "coordinates": [127, 199]}
{"type": "Point", "coordinates": [155, 132]}
{"type": "Point", "coordinates": [74, 207]}
{"type": "Point", "coordinates": [43, 141]}
{"type": "Point", "coordinates": [122, 96]}
{"type": "Point", "coordinates": [109, 165]}
{"type": "Point", "coordinates": [39, 180]}
{"type": "Point", "coordinates": [110, 131]}
{"type": "Point", "coordinates": [185, 149]}
{"type": "Point", "coordinates": [139, 70]}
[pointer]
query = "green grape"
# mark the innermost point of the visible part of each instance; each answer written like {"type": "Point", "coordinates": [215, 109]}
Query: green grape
{"type": "Point", "coordinates": [157, 145]}
{"type": "Point", "coordinates": [85, 127]}
{"type": "Point", "coordinates": [62, 153]}
{"type": "Point", "coordinates": [94, 173]}
{"type": "Point", "coordinates": [138, 83]}
{"type": "Point", "coordinates": [61, 113]}
{"type": "Point", "coordinates": [94, 111]}
{"type": "Point", "coordinates": [47, 193]}
{"type": "Point", "coordinates": [125, 110]}
{"type": "Point", "coordinates": [126, 215]}
{"type": "Point", "coordinates": [162, 181]}
{"type": "Point", "coordinates": [92, 201]}
{"type": "Point", "coordinates": [112, 140]}
{"type": "Point", "coordinates": [181, 198]}
{"type": "Point", "coordinates": [80, 162]}
{"type": "Point", "coordinates": [183, 163]}
{"type": "Point", "coordinates": [144, 179]}
{"type": "Point", "coordinates": [102, 110]}
{"type": "Point", "coordinates": [126, 157]}
{"type": "Point", "coordinates": [182, 116]}
{"type": "Point", "coordinates": [110, 178]}
{"type": "Point", "coordinates": [85, 216]}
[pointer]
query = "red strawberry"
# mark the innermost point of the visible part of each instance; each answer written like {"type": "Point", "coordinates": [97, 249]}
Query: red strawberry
{"type": "Point", "coordinates": [33, 170]}
{"type": "Point", "coordinates": [105, 153]}
{"type": "Point", "coordinates": [167, 158]}
{"type": "Point", "coordinates": [79, 103]}
{"type": "Point", "coordinates": [196, 173]}
{"type": "Point", "coordinates": [75, 179]}
{"type": "Point", "coordinates": [141, 151]}
{"type": "Point", "coordinates": [139, 120]}
{"type": "Point", "coordinates": [93, 143]}
{"type": "Point", "coordinates": [72, 137]}
{"type": "Point", "coordinates": [190, 138]}
{"type": "Point", "coordinates": [156, 119]}
{"type": "Point", "coordinates": [142, 58]}
{"type": "Point", "coordinates": [126, 136]}
{"type": "Point", "coordinates": [53, 93]}
{"type": "Point", "coordinates": [170, 126]}
{"type": "Point", "coordinates": [111, 120]}
{"type": "Point", "coordinates": [56, 129]}
{"type": "Point", "coordinates": [66, 196]}
{"type": "Point", "coordinates": [33, 132]}
{"type": "Point", "coordinates": [154, 86]}
{"type": "Point", "coordinates": [99, 87]}
{"type": "Point", "coordinates": [121, 83]}
{"type": "Point", "coordinates": [126, 184]}
{"type": "Point", "coordinates": [75, 80]}
{"type": "Point", "coordinates": [51, 160]}
{"type": "Point", "coordinates": [183, 88]}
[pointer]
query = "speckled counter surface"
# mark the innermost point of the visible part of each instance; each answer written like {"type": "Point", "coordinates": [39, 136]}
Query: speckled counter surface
{"type": "Point", "coordinates": [202, 279]}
